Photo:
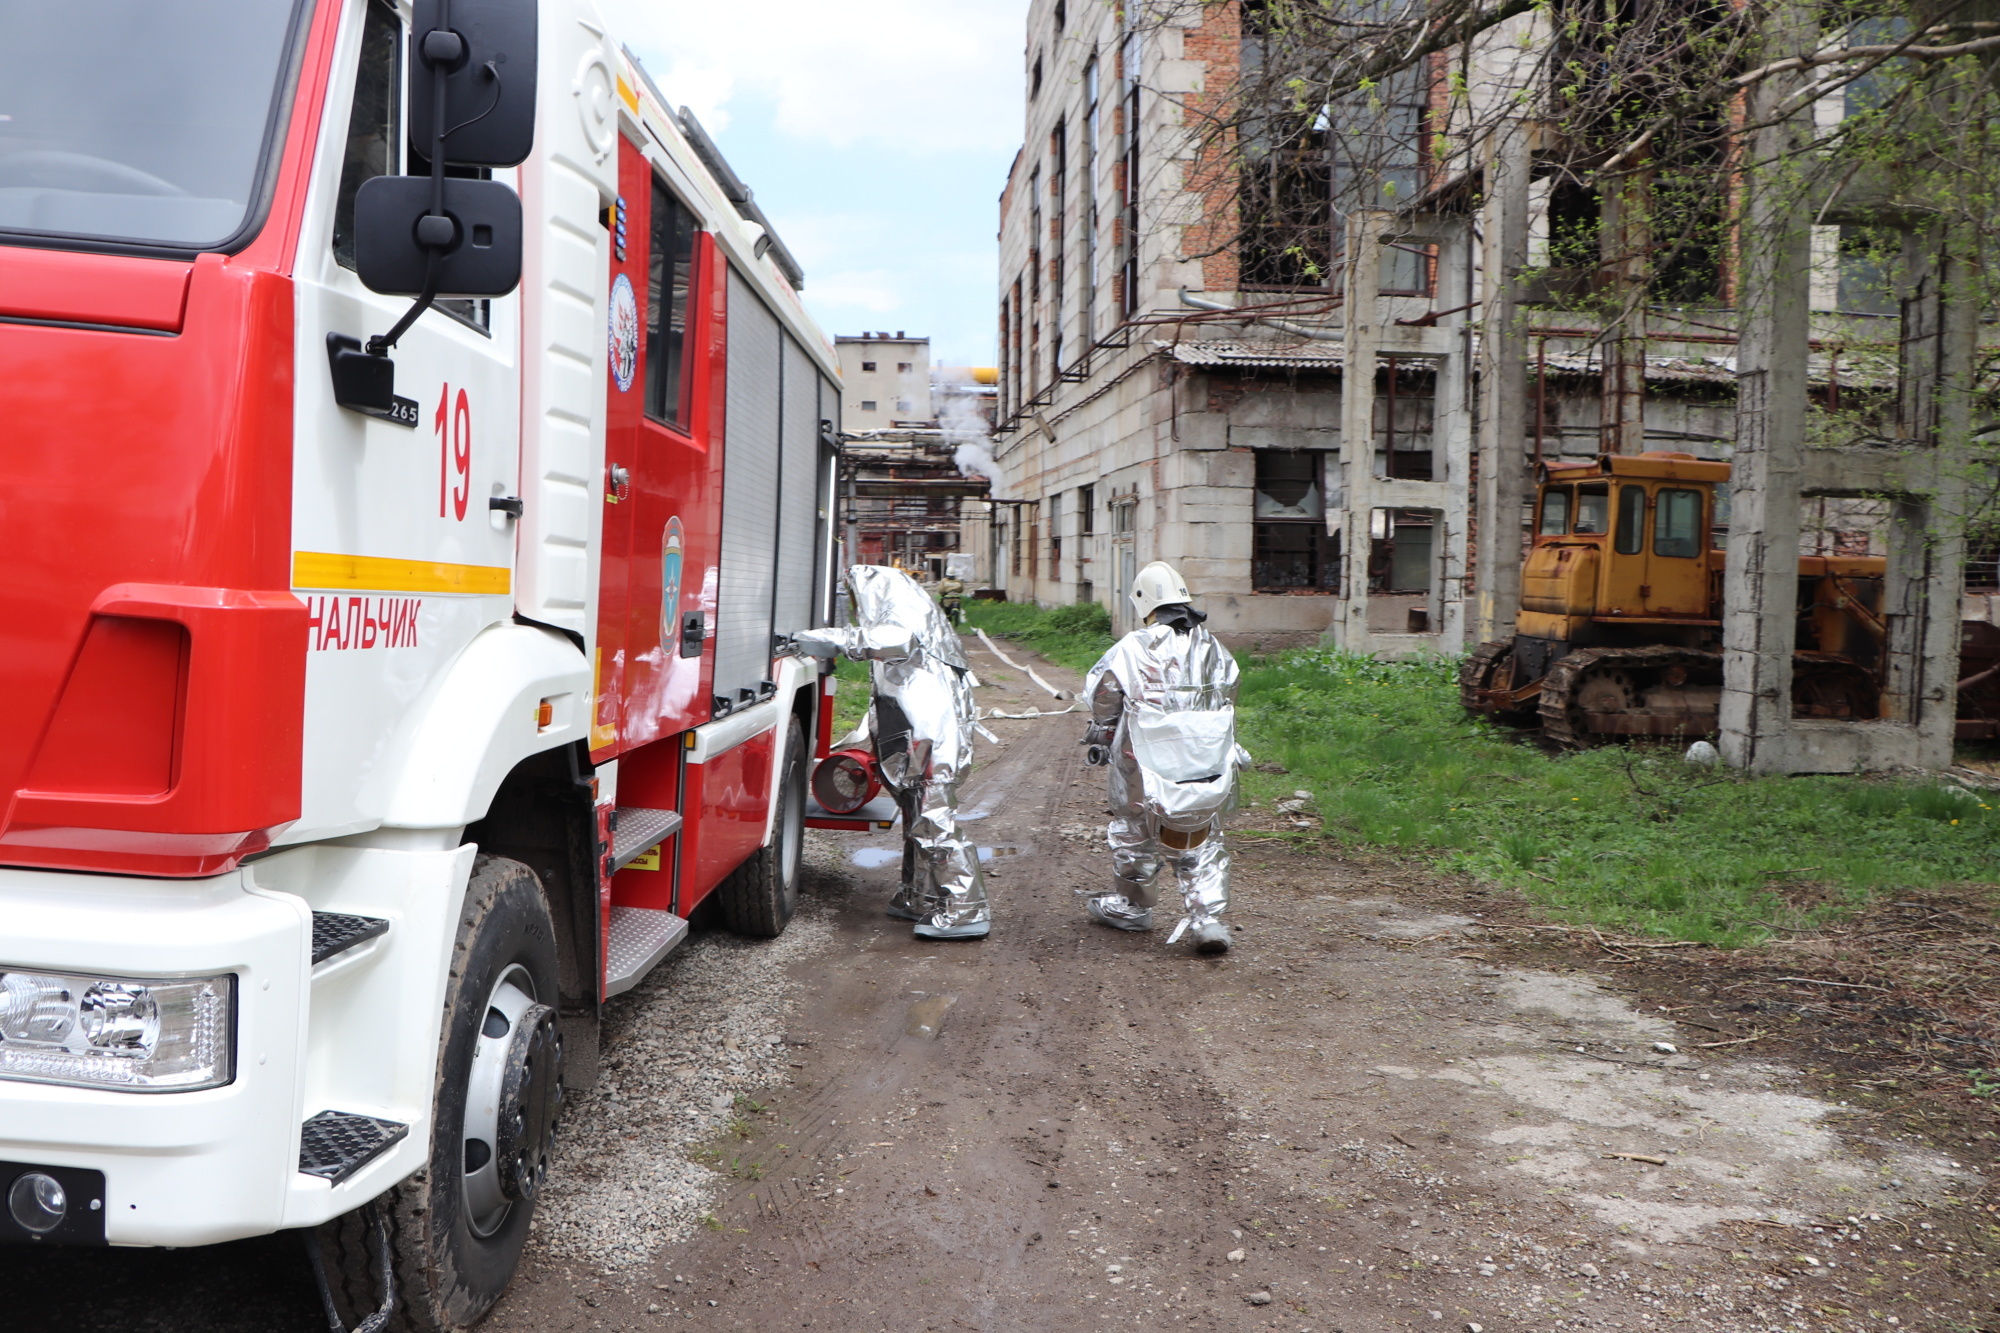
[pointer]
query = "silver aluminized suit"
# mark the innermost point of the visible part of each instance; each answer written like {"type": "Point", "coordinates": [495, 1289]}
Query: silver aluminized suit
{"type": "Point", "coordinates": [922, 720]}
{"type": "Point", "coordinates": [1167, 699]}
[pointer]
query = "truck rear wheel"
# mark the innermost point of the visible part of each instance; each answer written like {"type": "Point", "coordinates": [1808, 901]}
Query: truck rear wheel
{"type": "Point", "coordinates": [761, 896]}
{"type": "Point", "coordinates": [458, 1226]}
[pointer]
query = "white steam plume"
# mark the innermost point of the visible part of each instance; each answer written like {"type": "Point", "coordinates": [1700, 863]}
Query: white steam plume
{"type": "Point", "coordinates": [965, 429]}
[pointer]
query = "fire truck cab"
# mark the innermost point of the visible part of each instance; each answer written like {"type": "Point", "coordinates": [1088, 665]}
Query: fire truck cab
{"type": "Point", "coordinates": [399, 533]}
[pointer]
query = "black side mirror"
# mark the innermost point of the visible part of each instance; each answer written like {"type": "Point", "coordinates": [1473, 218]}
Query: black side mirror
{"type": "Point", "coordinates": [481, 229]}
{"type": "Point", "coordinates": [472, 104]}
{"type": "Point", "coordinates": [483, 52]}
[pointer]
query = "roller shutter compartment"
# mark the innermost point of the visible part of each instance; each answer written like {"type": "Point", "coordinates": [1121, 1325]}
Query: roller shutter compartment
{"type": "Point", "coordinates": [827, 571]}
{"type": "Point", "coordinates": [798, 495]}
{"type": "Point", "coordinates": [751, 478]}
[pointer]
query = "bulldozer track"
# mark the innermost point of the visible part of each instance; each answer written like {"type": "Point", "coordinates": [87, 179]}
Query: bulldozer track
{"type": "Point", "coordinates": [1476, 671]}
{"type": "Point", "coordinates": [1562, 720]}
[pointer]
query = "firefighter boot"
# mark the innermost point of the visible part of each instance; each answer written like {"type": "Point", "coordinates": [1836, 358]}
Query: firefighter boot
{"type": "Point", "coordinates": [1210, 936]}
{"type": "Point", "coordinates": [906, 906]}
{"type": "Point", "coordinates": [1118, 912]}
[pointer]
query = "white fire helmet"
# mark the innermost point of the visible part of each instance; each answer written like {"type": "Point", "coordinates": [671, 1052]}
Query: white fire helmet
{"type": "Point", "coordinates": [1159, 584]}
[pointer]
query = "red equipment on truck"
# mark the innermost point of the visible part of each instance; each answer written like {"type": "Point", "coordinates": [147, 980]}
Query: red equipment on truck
{"type": "Point", "coordinates": [415, 452]}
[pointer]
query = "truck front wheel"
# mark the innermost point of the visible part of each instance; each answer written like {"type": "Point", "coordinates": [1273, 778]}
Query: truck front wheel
{"type": "Point", "coordinates": [459, 1225]}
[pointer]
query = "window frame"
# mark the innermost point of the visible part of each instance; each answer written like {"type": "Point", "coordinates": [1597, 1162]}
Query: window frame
{"type": "Point", "coordinates": [1694, 537]}
{"type": "Point", "coordinates": [1628, 526]}
{"type": "Point", "coordinates": [1567, 494]}
{"type": "Point", "coordinates": [1590, 490]}
{"type": "Point", "coordinates": [1293, 539]}
{"type": "Point", "coordinates": [655, 328]}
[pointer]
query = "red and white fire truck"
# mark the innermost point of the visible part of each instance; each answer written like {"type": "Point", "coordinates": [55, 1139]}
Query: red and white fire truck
{"type": "Point", "coordinates": [414, 453]}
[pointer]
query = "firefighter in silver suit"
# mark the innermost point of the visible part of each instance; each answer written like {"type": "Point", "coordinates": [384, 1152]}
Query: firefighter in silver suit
{"type": "Point", "coordinates": [1163, 718]}
{"type": "Point", "coordinates": [922, 720]}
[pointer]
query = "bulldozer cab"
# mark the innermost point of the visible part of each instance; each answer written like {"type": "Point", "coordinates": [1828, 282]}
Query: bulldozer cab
{"type": "Point", "coordinates": [1625, 538]}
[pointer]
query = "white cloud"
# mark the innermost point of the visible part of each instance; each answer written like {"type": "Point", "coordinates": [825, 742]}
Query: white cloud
{"type": "Point", "coordinates": [930, 75]}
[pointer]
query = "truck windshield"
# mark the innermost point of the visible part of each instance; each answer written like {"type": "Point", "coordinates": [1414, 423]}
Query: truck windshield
{"type": "Point", "coordinates": [138, 121]}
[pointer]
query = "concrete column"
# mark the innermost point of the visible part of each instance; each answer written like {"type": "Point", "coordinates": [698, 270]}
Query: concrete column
{"type": "Point", "coordinates": [1503, 385]}
{"type": "Point", "coordinates": [1451, 432]}
{"type": "Point", "coordinates": [1370, 334]}
{"type": "Point", "coordinates": [1925, 582]}
{"type": "Point", "coordinates": [1361, 336]}
{"type": "Point", "coordinates": [1760, 581]}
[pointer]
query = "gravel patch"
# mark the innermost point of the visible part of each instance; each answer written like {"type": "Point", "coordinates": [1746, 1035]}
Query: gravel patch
{"type": "Point", "coordinates": [706, 1028]}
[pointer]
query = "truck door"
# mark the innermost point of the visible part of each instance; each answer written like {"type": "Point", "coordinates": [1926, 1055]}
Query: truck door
{"type": "Point", "coordinates": [660, 537]}
{"type": "Point", "coordinates": [400, 553]}
{"type": "Point", "coordinates": [1676, 553]}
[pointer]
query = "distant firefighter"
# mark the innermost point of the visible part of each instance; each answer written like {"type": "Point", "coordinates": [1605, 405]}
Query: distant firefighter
{"type": "Point", "coordinates": [922, 718]}
{"type": "Point", "coordinates": [951, 596]}
{"type": "Point", "coordinates": [1163, 718]}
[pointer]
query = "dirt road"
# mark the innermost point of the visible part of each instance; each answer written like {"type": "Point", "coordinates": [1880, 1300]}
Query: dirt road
{"type": "Point", "coordinates": [1361, 1119]}
{"type": "Point", "coordinates": [1352, 1122]}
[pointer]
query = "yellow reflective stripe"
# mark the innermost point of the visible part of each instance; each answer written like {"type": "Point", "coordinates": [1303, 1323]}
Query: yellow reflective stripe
{"type": "Point", "coordinates": [367, 573]}
{"type": "Point", "coordinates": [627, 95]}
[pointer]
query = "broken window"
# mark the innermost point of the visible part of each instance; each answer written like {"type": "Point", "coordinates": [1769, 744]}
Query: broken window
{"type": "Point", "coordinates": [1290, 547]}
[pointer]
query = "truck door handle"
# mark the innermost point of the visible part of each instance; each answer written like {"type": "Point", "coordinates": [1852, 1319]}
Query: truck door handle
{"type": "Point", "coordinates": [509, 505]}
{"type": "Point", "coordinates": [694, 631]}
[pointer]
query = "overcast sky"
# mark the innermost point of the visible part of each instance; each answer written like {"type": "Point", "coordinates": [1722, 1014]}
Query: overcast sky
{"type": "Point", "coordinates": [877, 136]}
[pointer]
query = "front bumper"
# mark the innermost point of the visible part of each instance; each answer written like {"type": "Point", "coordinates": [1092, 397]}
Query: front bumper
{"type": "Point", "coordinates": [181, 1168]}
{"type": "Point", "coordinates": [358, 1034]}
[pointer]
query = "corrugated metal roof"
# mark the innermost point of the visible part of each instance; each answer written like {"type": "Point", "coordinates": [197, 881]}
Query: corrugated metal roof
{"type": "Point", "coordinates": [1256, 355]}
{"type": "Point", "coordinates": [1325, 356]}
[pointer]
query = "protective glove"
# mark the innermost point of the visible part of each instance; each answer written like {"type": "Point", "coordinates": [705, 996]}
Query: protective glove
{"type": "Point", "coordinates": [806, 643]}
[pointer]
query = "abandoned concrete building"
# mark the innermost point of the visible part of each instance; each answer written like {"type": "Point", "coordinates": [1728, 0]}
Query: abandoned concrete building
{"type": "Point", "coordinates": [885, 381]}
{"type": "Point", "coordinates": [1174, 385]}
{"type": "Point", "coordinates": [905, 423]}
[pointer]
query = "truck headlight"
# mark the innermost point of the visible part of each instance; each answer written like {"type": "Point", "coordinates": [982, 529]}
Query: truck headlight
{"type": "Point", "coordinates": [131, 1034]}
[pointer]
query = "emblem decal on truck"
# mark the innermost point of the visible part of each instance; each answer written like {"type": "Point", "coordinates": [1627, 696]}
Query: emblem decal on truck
{"type": "Point", "coordinates": [624, 332]}
{"type": "Point", "coordinates": [670, 579]}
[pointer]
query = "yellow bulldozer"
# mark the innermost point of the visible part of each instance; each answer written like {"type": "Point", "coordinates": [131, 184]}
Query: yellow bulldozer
{"type": "Point", "coordinates": [1620, 626]}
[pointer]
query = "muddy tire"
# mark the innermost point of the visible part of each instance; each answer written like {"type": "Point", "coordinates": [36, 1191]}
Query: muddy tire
{"type": "Point", "coordinates": [759, 899]}
{"type": "Point", "coordinates": [458, 1226]}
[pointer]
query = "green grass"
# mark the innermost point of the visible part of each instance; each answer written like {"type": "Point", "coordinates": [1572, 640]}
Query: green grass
{"type": "Point", "coordinates": [1074, 636]}
{"type": "Point", "coordinates": [1628, 838]}
{"type": "Point", "coordinates": [850, 699]}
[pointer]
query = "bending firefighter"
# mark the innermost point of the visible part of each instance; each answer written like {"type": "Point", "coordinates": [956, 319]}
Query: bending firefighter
{"type": "Point", "coordinates": [1163, 717]}
{"type": "Point", "coordinates": [922, 720]}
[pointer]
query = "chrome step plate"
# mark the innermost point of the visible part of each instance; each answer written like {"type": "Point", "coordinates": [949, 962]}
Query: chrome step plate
{"type": "Point", "coordinates": [640, 938]}
{"type": "Point", "coordinates": [639, 831]}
